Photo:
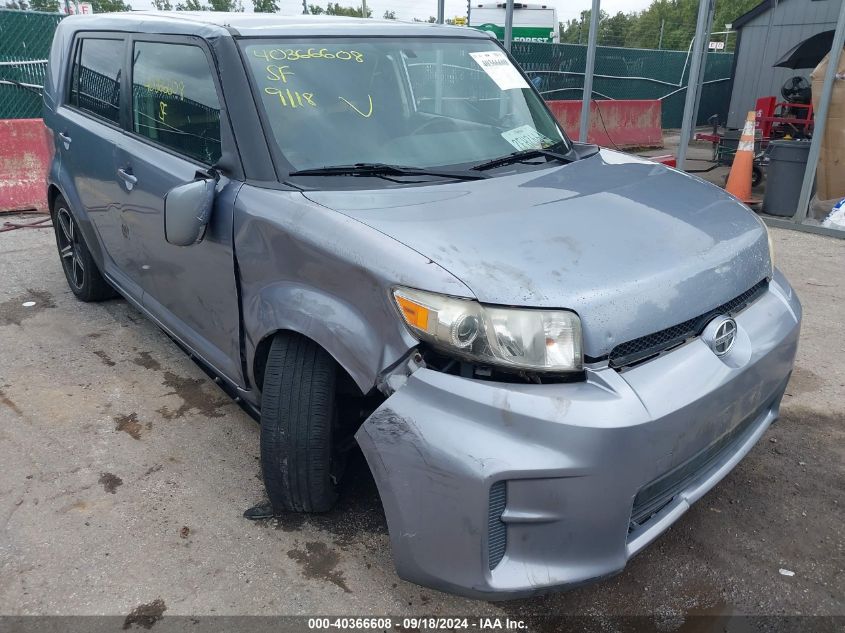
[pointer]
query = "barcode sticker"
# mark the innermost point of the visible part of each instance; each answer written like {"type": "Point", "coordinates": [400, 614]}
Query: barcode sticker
{"type": "Point", "coordinates": [500, 69]}
{"type": "Point", "coordinates": [526, 137]}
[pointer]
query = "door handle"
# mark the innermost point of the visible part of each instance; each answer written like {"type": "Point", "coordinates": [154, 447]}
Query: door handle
{"type": "Point", "coordinates": [65, 139]}
{"type": "Point", "coordinates": [128, 179]}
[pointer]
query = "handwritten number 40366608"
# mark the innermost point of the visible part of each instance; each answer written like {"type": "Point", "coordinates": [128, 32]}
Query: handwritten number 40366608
{"type": "Point", "coordinates": [291, 55]}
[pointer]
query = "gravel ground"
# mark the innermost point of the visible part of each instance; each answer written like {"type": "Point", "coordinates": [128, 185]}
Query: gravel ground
{"type": "Point", "coordinates": [125, 472]}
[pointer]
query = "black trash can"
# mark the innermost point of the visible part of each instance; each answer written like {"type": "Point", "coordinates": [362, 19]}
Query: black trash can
{"type": "Point", "coordinates": [784, 175]}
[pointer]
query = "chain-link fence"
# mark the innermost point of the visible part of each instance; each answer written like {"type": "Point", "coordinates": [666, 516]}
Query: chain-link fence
{"type": "Point", "coordinates": [557, 69]}
{"type": "Point", "coordinates": [628, 73]}
{"type": "Point", "coordinates": [25, 38]}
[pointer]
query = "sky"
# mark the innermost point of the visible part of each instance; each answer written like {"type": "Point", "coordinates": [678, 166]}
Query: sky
{"type": "Point", "coordinates": [409, 9]}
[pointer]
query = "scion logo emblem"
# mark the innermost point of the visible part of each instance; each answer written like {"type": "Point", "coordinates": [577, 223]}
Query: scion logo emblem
{"type": "Point", "coordinates": [724, 336]}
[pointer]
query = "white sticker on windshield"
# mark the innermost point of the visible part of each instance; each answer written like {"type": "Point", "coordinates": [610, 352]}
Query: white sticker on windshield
{"type": "Point", "coordinates": [526, 137]}
{"type": "Point", "coordinates": [497, 65]}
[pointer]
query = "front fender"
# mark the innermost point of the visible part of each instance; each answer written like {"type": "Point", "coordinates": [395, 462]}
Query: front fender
{"type": "Point", "coordinates": [331, 321]}
{"type": "Point", "coordinates": [309, 269]}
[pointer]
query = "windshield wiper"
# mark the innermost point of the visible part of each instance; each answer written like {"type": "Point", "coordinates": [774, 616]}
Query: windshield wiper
{"type": "Point", "coordinates": [523, 155]}
{"type": "Point", "coordinates": [383, 170]}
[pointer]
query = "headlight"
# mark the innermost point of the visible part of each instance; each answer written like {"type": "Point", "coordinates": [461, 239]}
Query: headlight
{"type": "Point", "coordinates": [538, 340]}
{"type": "Point", "coordinates": [771, 248]}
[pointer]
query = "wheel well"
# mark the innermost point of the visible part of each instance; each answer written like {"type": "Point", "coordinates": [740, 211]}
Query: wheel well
{"type": "Point", "coordinates": [345, 384]}
{"type": "Point", "coordinates": [52, 193]}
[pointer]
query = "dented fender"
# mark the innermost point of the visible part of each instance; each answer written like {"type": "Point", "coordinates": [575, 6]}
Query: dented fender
{"type": "Point", "coordinates": [314, 271]}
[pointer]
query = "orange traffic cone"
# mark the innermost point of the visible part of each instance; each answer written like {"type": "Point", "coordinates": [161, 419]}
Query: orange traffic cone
{"type": "Point", "coordinates": [739, 180]}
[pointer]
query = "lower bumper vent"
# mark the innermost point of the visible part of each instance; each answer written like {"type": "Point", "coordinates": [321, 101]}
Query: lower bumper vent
{"type": "Point", "coordinates": [654, 496]}
{"type": "Point", "coordinates": [497, 531]}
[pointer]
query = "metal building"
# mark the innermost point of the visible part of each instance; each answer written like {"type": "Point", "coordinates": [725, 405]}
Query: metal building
{"type": "Point", "coordinates": [764, 34]}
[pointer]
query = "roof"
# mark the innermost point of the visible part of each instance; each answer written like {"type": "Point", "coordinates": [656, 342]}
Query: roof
{"type": "Point", "coordinates": [218, 23]}
{"type": "Point", "coordinates": [746, 17]}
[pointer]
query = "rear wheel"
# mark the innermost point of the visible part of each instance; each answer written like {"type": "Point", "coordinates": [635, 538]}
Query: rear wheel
{"type": "Point", "coordinates": [80, 270]}
{"type": "Point", "coordinates": [298, 417]}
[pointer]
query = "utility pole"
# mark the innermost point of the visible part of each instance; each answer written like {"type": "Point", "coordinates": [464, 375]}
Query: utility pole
{"type": "Point", "coordinates": [469, 9]}
{"type": "Point", "coordinates": [363, 8]}
{"type": "Point", "coordinates": [586, 101]}
{"type": "Point", "coordinates": [699, 85]}
{"type": "Point", "coordinates": [698, 46]}
{"type": "Point", "coordinates": [821, 120]}
{"type": "Point", "coordinates": [441, 11]}
{"type": "Point", "coordinates": [660, 39]}
{"type": "Point", "coordinates": [509, 25]}
{"type": "Point", "coordinates": [304, 7]}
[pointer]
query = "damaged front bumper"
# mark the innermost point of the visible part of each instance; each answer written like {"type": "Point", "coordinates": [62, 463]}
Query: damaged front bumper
{"type": "Point", "coordinates": [496, 490]}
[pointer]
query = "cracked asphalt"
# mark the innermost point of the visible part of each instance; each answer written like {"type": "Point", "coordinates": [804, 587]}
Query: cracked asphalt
{"type": "Point", "coordinates": [124, 472]}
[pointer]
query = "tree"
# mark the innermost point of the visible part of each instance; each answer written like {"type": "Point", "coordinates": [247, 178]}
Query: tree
{"type": "Point", "coordinates": [163, 5]}
{"type": "Point", "coordinates": [389, 15]}
{"type": "Point", "coordinates": [45, 5]}
{"type": "Point", "coordinates": [226, 5]}
{"type": "Point", "coordinates": [109, 6]}
{"type": "Point", "coordinates": [570, 32]}
{"type": "Point", "coordinates": [614, 30]}
{"type": "Point", "coordinates": [265, 6]}
{"type": "Point", "coordinates": [334, 8]}
{"type": "Point", "coordinates": [668, 24]}
{"type": "Point", "coordinates": [19, 5]}
{"type": "Point", "coordinates": [191, 5]}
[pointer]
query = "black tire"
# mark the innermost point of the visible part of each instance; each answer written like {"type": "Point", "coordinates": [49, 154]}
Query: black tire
{"type": "Point", "coordinates": [756, 176]}
{"type": "Point", "coordinates": [80, 270]}
{"type": "Point", "coordinates": [298, 412]}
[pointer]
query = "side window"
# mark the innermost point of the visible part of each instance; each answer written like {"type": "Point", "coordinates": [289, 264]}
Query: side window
{"type": "Point", "coordinates": [174, 99]}
{"type": "Point", "coordinates": [95, 77]}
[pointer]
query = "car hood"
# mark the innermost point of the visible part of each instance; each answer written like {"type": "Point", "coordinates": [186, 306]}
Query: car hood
{"type": "Point", "coordinates": [630, 245]}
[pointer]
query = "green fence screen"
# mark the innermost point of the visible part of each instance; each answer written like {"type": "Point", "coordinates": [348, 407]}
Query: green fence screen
{"type": "Point", "coordinates": [628, 73]}
{"type": "Point", "coordinates": [556, 69]}
{"type": "Point", "coordinates": [25, 38]}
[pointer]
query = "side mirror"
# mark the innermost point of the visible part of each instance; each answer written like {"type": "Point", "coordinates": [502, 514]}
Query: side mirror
{"type": "Point", "coordinates": [187, 210]}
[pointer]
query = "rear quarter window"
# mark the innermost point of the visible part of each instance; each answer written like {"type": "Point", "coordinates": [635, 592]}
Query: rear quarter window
{"type": "Point", "coordinates": [95, 77]}
{"type": "Point", "coordinates": [174, 99]}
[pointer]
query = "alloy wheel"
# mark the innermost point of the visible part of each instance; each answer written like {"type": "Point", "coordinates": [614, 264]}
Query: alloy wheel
{"type": "Point", "coordinates": [69, 248]}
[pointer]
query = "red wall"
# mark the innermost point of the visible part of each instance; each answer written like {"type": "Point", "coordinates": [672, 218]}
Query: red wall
{"type": "Point", "coordinates": [634, 123]}
{"type": "Point", "coordinates": [25, 154]}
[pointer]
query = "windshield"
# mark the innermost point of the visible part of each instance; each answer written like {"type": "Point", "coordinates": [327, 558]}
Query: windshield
{"type": "Point", "coordinates": [414, 102]}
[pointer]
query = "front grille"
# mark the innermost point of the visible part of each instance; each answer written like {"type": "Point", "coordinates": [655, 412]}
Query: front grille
{"type": "Point", "coordinates": [497, 531]}
{"type": "Point", "coordinates": [639, 349]}
{"type": "Point", "coordinates": [654, 496]}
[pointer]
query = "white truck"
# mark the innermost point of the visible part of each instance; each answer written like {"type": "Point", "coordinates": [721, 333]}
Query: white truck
{"type": "Point", "coordinates": [531, 22]}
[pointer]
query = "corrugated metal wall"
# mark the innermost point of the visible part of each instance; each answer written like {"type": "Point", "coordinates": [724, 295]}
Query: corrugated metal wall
{"type": "Point", "coordinates": [794, 21]}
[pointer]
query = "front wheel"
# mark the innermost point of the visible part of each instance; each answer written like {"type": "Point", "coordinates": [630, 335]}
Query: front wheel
{"type": "Point", "coordinates": [298, 413]}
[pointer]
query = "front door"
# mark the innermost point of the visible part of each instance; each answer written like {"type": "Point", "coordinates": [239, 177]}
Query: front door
{"type": "Point", "coordinates": [173, 136]}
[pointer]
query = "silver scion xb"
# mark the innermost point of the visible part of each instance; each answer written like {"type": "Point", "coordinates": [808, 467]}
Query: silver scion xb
{"type": "Point", "coordinates": [376, 233]}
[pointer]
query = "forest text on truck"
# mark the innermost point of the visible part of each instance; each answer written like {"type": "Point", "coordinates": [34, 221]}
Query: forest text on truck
{"type": "Point", "coordinates": [374, 232]}
{"type": "Point", "coordinates": [531, 22]}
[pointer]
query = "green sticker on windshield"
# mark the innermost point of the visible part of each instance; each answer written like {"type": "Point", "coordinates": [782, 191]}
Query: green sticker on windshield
{"type": "Point", "coordinates": [526, 137]}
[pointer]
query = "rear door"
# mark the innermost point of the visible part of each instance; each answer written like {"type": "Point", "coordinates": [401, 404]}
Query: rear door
{"type": "Point", "coordinates": [89, 123]}
{"type": "Point", "coordinates": [176, 133]}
